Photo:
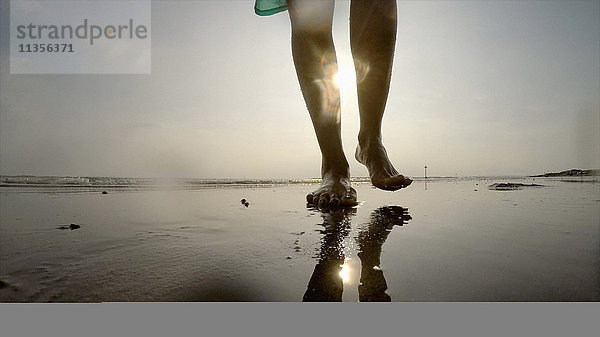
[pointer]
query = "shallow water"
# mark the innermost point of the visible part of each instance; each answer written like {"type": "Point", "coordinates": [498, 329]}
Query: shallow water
{"type": "Point", "coordinates": [438, 240]}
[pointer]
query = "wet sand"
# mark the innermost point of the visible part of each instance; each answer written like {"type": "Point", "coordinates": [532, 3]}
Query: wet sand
{"type": "Point", "coordinates": [441, 240]}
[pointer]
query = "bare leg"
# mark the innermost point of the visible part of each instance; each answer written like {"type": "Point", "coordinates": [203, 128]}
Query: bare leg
{"type": "Point", "coordinates": [316, 67]}
{"type": "Point", "coordinates": [372, 39]}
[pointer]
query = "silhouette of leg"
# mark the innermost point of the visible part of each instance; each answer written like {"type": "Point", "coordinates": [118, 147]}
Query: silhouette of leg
{"type": "Point", "coordinates": [326, 284]}
{"type": "Point", "coordinates": [370, 240]}
{"type": "Point", "coordinates": [372, 39]}
{"type": "Point", "coordinates": [316, 67]}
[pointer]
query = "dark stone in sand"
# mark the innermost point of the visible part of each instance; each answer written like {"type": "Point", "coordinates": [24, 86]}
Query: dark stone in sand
{"type": "Point", "coordinates": [104, 192]}
{"type": "Point", "coordinates": [71, 227]}
{"type": "Point", "coordinates": [243, 201]}
{"type": "Point", "coordinates": [511, 186]}
{"type": "Point", "coordinates": [3, 284]}
{"type": "Point", "coordinates": [246, 204]}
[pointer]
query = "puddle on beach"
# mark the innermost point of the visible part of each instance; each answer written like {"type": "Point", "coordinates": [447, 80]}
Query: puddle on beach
{"type": "Point", "coordinates": [450, 240]}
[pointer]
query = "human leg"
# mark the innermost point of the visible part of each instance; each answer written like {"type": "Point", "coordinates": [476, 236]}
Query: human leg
{"type": "Point", "coordinates": [316, 66]}
{"type": "Point", "coordinates": [372, 38]}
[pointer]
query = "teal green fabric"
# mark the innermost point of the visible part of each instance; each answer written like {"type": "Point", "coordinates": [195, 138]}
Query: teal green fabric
{"type": "Point", "coordinates": [269, 7]}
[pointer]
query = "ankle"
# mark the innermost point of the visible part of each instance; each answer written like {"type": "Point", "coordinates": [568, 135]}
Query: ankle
{"type": "Point", "coordinates": [337, 169]}
{"type": "Point", "coordinates": [365, 139]}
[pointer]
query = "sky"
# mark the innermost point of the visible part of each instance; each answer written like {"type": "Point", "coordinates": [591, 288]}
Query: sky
{"type": "Point", "coordinates": [478, 88]}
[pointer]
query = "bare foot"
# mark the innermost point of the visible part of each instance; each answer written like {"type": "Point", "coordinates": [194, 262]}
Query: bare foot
{"type": "Point", "coordinates": [335, 191]}
{"type": "Point", "coordinates": [383, 175]}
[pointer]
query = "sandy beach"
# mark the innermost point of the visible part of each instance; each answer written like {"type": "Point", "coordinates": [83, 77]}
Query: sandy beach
{"type": "Point", "coordinates": [442, 239]}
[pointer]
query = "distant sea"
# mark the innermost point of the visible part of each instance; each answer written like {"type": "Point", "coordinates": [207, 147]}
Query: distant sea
{"type": "Point", "coordinates": [193, 183]}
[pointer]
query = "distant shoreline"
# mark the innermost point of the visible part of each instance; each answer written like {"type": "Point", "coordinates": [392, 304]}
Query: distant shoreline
{"type": "Point", "coordinates": [125, 183]}
{"type": "Point", "coordinates": [570, 173]}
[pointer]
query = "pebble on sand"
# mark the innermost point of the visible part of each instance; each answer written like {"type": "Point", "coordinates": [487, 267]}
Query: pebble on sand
{"type": "Point", "coordinates": [288, 257]}
{"type": "Point", "coordinates": [71, 227]}
{"type": "Point", "coordinates": [246, 204]}
{"type": "Point", "coordinates": [104, 192]}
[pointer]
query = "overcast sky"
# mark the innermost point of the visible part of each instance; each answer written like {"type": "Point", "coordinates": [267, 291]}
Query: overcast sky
{"type": "Point", "coordinates": [478, 88]}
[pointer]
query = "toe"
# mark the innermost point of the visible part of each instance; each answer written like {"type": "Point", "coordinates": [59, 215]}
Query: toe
{"type": "Point", "coordinates": [349, 200]}
{"type": "Point", "coordinates": [324, 200]}
{"type": "Point", "coordinates": [334, 200]}
{"type": "Point", "coordinates": [397, 180]}
{"type": "Point", "coordinates": [396, 183]}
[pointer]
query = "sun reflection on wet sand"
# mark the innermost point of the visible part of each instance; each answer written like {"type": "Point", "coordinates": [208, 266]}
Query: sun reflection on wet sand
{"type": "Point", "coordinates": [334, 270]}
{"type": "Point", "coordinates": [345, 273]}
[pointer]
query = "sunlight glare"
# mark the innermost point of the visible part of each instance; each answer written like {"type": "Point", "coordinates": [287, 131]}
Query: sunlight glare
{"type": "Point", "coordinates": [345, 273]}
{"type": "Point", "coordinates": [345, 79]}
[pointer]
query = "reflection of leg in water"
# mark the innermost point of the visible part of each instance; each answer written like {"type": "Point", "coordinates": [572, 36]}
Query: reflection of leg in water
{"type": "Point", "coordinates": [372, 282]}
{"type": "Point", "coordinates": [326, 284]}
